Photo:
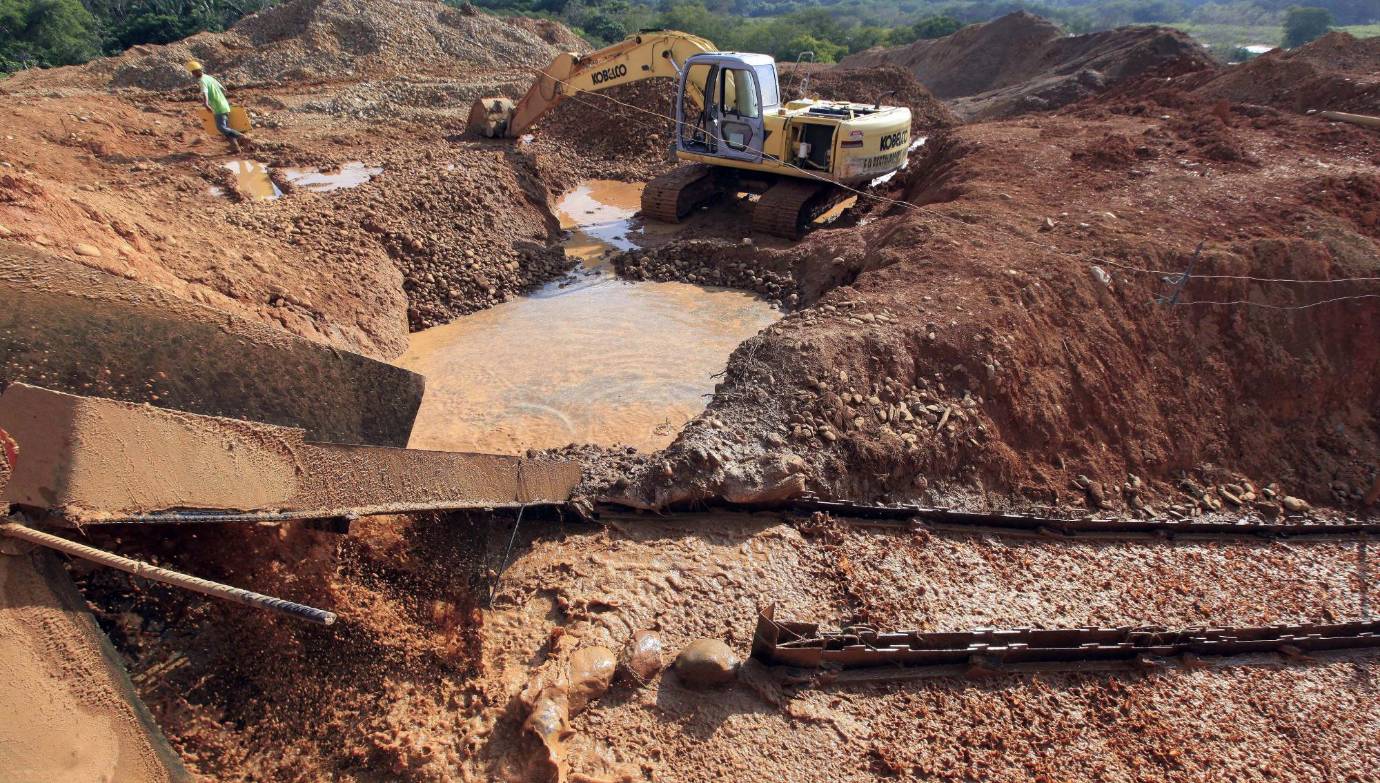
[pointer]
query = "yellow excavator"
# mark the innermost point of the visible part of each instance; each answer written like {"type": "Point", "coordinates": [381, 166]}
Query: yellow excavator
{"type": "Point", "coordinates": [732, 129]}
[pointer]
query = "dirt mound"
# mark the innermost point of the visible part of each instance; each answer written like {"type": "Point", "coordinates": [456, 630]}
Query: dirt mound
{"type": "Point", "coordinates": [621, 133]}
{"type": "Point", "coordinates": [908, 384]}
{"type": "Point", "coordinates": [312, 40]}
{"type": "Point", "coordinates": [1337, 72]}
{"type": "Point", "coordinates": [551, 31]}
{"type": "Point", "coordinates": [1022, 63]}
{"type": "Point", "coordinates": [890, 84]}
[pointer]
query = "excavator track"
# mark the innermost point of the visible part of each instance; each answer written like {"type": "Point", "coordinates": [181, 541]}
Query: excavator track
{"type": "Point", "coordinates": [787, 208]}
{"type": "Point", "coordinates": [673, 195]}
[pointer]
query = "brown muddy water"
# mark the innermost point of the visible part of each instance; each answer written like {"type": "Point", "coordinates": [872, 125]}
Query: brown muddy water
{"type": "Point", "coordinates": [587, 359]}
{"type": "Point", "coordinates": [251, 178]}
{"type": "Point", "coordinates": [352, 174]}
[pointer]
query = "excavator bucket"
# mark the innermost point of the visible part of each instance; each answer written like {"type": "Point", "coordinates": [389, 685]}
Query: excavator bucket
{"type": "Point", "coordinates": [489, 117]}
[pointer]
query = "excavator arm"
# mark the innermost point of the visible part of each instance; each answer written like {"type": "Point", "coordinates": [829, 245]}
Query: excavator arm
{"type": "Point", "coordinates": [644, 56]}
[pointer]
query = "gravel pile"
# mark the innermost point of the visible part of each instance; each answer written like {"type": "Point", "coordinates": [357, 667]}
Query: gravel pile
{"type": "Point", "coordinates": [393, 99]}
{"type": "Point", "coordinates": [892, 85]}
{"type": "Point", "coordinates": [1021, 63]}
{"type": "Point", "coordinates": [1337, 72]}
{"type": "Point", "coordinates": [312, 40]}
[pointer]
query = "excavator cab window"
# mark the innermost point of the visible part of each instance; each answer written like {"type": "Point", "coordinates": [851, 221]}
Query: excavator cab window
{"type": "Point", "coordinates": [771, 91]}
{"type": "Point", "coordinates": [738, 93]}
{"type": "Point", "coordinates": [699, 131]}
{"type": "Point", "coordinates": [737, 102]}
{"type": "Point", "coordinates": [722, 107]}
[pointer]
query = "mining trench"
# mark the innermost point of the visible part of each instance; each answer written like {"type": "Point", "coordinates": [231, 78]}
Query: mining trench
{"type": "Point", "coordinates": [920, 425]}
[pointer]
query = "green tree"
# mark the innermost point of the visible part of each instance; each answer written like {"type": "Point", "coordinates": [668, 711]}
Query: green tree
{"type": "Point", "coordinates": [935, 27]}
{"type": "Point", "coordinates": [696, 19]}
{"type": "Point", "coordinates": [46, 33]}
{"type": "Point", "coordinates": [1302, 25]}
{"type": "Point", "coordinates": [825, 51]}
{"type": "Point", "coordinates": [157, 28]}
{"type": "Point", "coordinates": [865, 37]}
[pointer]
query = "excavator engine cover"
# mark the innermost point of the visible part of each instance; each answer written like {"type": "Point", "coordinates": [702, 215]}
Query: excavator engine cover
{"type": "Point", "coordinates": [489, 117]}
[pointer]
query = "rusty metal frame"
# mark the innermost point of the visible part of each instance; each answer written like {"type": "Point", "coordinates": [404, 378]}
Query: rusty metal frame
{"type": "Point", "coordinates": [804, 645]}
{"type": "Point", "coordinates": [907, 515]}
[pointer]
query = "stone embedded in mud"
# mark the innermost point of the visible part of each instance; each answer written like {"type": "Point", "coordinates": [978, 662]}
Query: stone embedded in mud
{"type": "Point", "coordinates": [706, 663]}
{"type": "Point", "coordinates": [641, 661]}
{"type": "Point", "coordinates": [591, 672]}
{"type": "Point", "coordinates": [1295, 505]}
{"type": "Point", "coordinates": [86, 250]}
{"type": "Point", "coordinates": [549, 726]}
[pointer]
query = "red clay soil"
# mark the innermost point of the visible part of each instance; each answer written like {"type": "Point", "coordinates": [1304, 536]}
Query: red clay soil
{"type": "Point", "coordinates": [396, 691]}
{"type": "Point", "coordinates": [248, 695]}
{"type": "Point", "coordinates": [994, 341]}
{"type": "Point", "coordinates": [1021, 62]}
{"type": "Point", "coordinates": [1337, 72]}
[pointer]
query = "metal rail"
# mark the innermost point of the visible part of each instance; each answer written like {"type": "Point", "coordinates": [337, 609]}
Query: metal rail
{"type": "Point", "coordinates": [986, 650]}
{"type": "Point", "coordinates": [906, 515]}
{"type": "Point", "coordinates": [348, 513]}
{"type": "Point", "coordinates": [167, 576]}
{"type": "Point", "coordinates": [912, 517]}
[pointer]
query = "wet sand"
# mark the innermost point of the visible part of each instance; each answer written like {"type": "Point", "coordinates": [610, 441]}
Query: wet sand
{"type": "Point", "coordinates": [67, 715]}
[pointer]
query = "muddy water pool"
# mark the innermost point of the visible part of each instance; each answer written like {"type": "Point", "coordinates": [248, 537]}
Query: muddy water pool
{"type": "Point", "coordinates": [587, 359]}
{"type": "Point", "coordinates": [251, 178]}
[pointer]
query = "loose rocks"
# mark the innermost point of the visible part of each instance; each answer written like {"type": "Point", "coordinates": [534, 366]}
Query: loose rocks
{"type": "Point", "coordinates": [1294, 505]}
{"type": "Point", "coordinates": [706, 663]}
{"type": "Point", "coordinates": [591, 672]}
{"type": "Point", "coordinates": [641, 661]}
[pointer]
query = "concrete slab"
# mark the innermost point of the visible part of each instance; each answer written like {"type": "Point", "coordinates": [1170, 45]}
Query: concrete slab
{"type": "Point", "coordinates": [90, 460]}
{"type": "Point", "coordinates": [65, 326]}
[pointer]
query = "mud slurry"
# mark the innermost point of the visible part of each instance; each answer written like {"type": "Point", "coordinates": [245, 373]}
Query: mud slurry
{"type": "Point", "coordinates": [586, 359]}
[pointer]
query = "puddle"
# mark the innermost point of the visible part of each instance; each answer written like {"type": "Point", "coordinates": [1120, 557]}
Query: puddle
{"type": "Point", "coordinates": [351, 175]}
{"type": "Point", "coordinates": [251, 177]}
{"type": "Point", "coordinates": [587, 359]}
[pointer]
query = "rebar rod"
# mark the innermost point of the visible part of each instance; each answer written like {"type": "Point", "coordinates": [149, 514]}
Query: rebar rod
{"type": "Point", "coordinates": [167, 576]}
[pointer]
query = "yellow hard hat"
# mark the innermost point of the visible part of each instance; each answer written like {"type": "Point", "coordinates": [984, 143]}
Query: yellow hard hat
{"type": "Point", "coordinates": [193, 65]}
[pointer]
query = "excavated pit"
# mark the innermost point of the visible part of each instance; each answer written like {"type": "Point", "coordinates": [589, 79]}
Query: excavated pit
{"type": "Point", "coordinates": [586, 359]}
{"type": "Point", "coordinates": [982, 347]}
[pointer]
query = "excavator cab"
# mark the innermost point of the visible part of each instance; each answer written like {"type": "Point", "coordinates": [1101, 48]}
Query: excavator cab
{"type": "Point", "coordinates": [722, 100]}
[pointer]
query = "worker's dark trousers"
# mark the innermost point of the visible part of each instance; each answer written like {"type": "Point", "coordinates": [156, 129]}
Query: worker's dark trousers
{"type": "Point", "coordinates": [223, 125]}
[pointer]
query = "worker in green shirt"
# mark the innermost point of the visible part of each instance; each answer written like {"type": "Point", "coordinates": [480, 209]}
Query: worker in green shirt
{"type": "Point", "coordinates": [213, 95]}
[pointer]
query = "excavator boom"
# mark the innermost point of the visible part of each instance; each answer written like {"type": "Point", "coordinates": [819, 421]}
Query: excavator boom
{"type": "Point", "coordinates": [643, 56]}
